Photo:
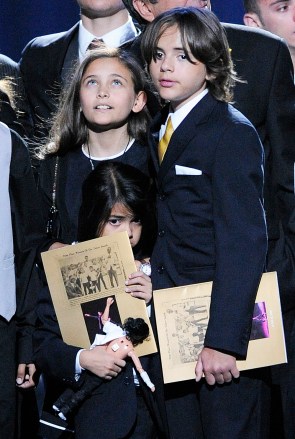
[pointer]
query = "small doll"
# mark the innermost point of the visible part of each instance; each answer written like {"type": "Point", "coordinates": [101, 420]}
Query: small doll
{"type": "Point", "coordinates": [118, 340]}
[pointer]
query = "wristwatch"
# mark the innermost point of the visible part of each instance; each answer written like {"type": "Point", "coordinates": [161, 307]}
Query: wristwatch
{"type": "Point", "coordinates": [145, 267]}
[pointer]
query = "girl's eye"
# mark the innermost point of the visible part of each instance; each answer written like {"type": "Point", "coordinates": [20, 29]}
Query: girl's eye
{"type": "Point", "coordinates": [91, 82]}
{"type": "Point", "coordinates": [136, 220]}
{"type": "Point", "coordinates": [182, 56]}
{"type": "Point", "coordinates": [117, 82]}
{"type": "Point", "coordinates": [114, 221]}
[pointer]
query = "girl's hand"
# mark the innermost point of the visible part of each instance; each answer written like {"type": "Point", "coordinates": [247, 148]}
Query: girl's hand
{"type": "Point", "coordinates": [139, 285]}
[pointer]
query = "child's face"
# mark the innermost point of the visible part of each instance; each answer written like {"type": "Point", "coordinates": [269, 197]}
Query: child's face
{"type": "Point", "coordinates": [176, 79]}
{"type": "Point", "coordinates": [121, 220]}
{"type": "Point", "coordinates": [107, 94]}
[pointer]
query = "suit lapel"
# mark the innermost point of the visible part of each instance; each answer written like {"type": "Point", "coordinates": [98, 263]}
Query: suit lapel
{"type": "Point", "coordinates": [184, 133]}
{"type": "Point", "coordinates": [71, 48]}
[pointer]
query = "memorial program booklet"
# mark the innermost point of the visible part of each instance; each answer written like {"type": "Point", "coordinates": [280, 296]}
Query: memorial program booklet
{"type": "Point", "coordinates": [81, 277]}
{"type": "Point", "coordinates": [182, 315]}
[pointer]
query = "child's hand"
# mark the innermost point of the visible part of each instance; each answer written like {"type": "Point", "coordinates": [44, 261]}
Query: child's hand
{"type": "Point", "coordinates": [101, 363]}
{"type": "Point", "coordinates": [25, 375]}
{"type": "Point", "coordinates": [218, 367]}
{"type": "Point", "coordinates": [139, 285]}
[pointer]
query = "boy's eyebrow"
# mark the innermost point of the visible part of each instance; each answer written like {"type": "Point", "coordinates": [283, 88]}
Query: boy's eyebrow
{"type": "Point", "coordinates": [173, 48]}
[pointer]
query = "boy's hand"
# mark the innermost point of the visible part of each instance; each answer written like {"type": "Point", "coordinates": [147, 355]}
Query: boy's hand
{"type": "Point", "coordinates": [218, 367]}
{"type": "Point", "coordinates": [139, 285]}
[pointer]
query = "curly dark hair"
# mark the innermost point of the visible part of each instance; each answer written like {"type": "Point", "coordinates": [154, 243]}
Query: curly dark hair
{"type": "Point", "coordinates": [137, 330]}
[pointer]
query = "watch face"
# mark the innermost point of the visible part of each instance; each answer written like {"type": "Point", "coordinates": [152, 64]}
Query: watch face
{"type": "Point", "coordinates": [146, 268]}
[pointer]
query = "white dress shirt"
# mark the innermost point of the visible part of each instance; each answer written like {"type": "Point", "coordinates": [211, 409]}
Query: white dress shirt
{"type": "Point", "coordinates": [114, 38]}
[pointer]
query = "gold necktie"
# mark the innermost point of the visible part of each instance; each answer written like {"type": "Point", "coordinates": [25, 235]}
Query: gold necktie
{"type": "Point", "coordinates": [163, 144]}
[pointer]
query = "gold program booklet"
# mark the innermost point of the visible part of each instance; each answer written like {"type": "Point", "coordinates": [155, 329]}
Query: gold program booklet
{"type": "Point", "coordinates": [81, 277]}
{"type": "Point", "coordinates": [182, 315]}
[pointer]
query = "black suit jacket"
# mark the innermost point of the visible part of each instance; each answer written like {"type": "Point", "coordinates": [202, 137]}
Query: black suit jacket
{"type": "Point", "coordinates": [211, 223]}
{"type": "Point", "coordinates": [268, 100]}
{"type": "Point", "coordinates": [45, 66]}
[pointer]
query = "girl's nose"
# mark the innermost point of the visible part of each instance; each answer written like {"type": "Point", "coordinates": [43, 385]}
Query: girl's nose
{"type": "Point", "coordinates": [102, 92]}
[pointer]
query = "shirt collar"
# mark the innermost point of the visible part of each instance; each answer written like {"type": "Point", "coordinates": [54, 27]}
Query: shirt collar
{"type": "Point", "coordinates": [179, 115]}
{"type": "Point", "coordinates": [114, 38]}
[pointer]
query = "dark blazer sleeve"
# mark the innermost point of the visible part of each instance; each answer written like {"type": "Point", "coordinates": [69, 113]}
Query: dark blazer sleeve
{"type": "Point", "coordinates": [27, 236]}
{"type": "Point", "coordinates": [240, 238]}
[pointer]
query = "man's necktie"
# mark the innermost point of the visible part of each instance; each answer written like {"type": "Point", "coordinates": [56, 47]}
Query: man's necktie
{"type": "Point", "coordinates": [96, 43]}
{"type": "Point", "coordinates": [163, 144]}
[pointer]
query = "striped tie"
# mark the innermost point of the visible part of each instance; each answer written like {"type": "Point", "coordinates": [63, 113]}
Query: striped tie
{"type": "Point", "coordinates": [96, 43]}
{"type": "Point", "coordinates": [163, 144]}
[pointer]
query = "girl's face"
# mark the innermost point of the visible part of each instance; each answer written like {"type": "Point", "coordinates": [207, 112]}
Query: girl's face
{"type": "Point", "coordinates": [107, 94]}
{"type": "Point", "coordinates": [122, 220]}
{"type": "Point", "coordinates": [175, 77]}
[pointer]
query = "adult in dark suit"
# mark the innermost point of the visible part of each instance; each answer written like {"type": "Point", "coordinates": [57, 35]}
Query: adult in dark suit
{"type": "Point", "coordinates": [16, 328]}
{"type": "Point", "coordinates": [47, 61]}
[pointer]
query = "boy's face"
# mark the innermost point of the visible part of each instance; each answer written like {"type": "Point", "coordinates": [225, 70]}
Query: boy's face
{"type": "Point", "coordinates": [176, 79]}
{"type": "Point", "coordinates": [277, 17]}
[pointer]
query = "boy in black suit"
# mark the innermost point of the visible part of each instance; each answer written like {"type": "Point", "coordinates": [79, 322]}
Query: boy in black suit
{"type": "Point", "coordinates": [211, 222]}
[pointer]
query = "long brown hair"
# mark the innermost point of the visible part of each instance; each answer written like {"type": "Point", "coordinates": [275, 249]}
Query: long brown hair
{"type": "Point", "coordinates": [69, 130]}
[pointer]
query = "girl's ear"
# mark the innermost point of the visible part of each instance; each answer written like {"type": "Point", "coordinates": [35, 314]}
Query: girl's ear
{"type": "Point", "coordinates": [139, 102]}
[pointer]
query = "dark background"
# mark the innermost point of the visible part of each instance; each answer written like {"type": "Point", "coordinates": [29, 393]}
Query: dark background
{"type": "Point", "coordinates": [22, 20]}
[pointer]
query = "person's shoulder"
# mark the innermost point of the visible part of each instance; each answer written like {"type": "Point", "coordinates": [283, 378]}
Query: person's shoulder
{"type": "Point", "coordinates": [6, 61]}
{"type": "Point", "coordinates": [247, 35]}
{"type": "Point", "coordinates": [47, 41]}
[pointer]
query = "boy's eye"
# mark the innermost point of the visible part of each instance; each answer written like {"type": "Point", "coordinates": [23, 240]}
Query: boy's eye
{"type": "Point", "coordinates": [136, 220]}
{"type": "Point", "coordinates": [182, 56]}
{"type": "Point", "coordinates": [158, 55]}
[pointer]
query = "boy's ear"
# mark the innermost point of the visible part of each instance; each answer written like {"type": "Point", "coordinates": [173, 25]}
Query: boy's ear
{"type": "Point", "coordinates": [140, 102]}
{"type": "Point", "coordinates": [251, 19]}
{"type": "Point", "coordinates": [144, 9]}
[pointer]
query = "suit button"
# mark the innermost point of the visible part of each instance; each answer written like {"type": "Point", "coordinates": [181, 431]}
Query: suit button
{"type": "Point", "coordinates": [161, 269]}
{"type": "Point", "coordinates": [162, 197]}
{"type": "Point", "coordinates": [127, 381]}
{"type": "Point", "coordinates": [161, 233]}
